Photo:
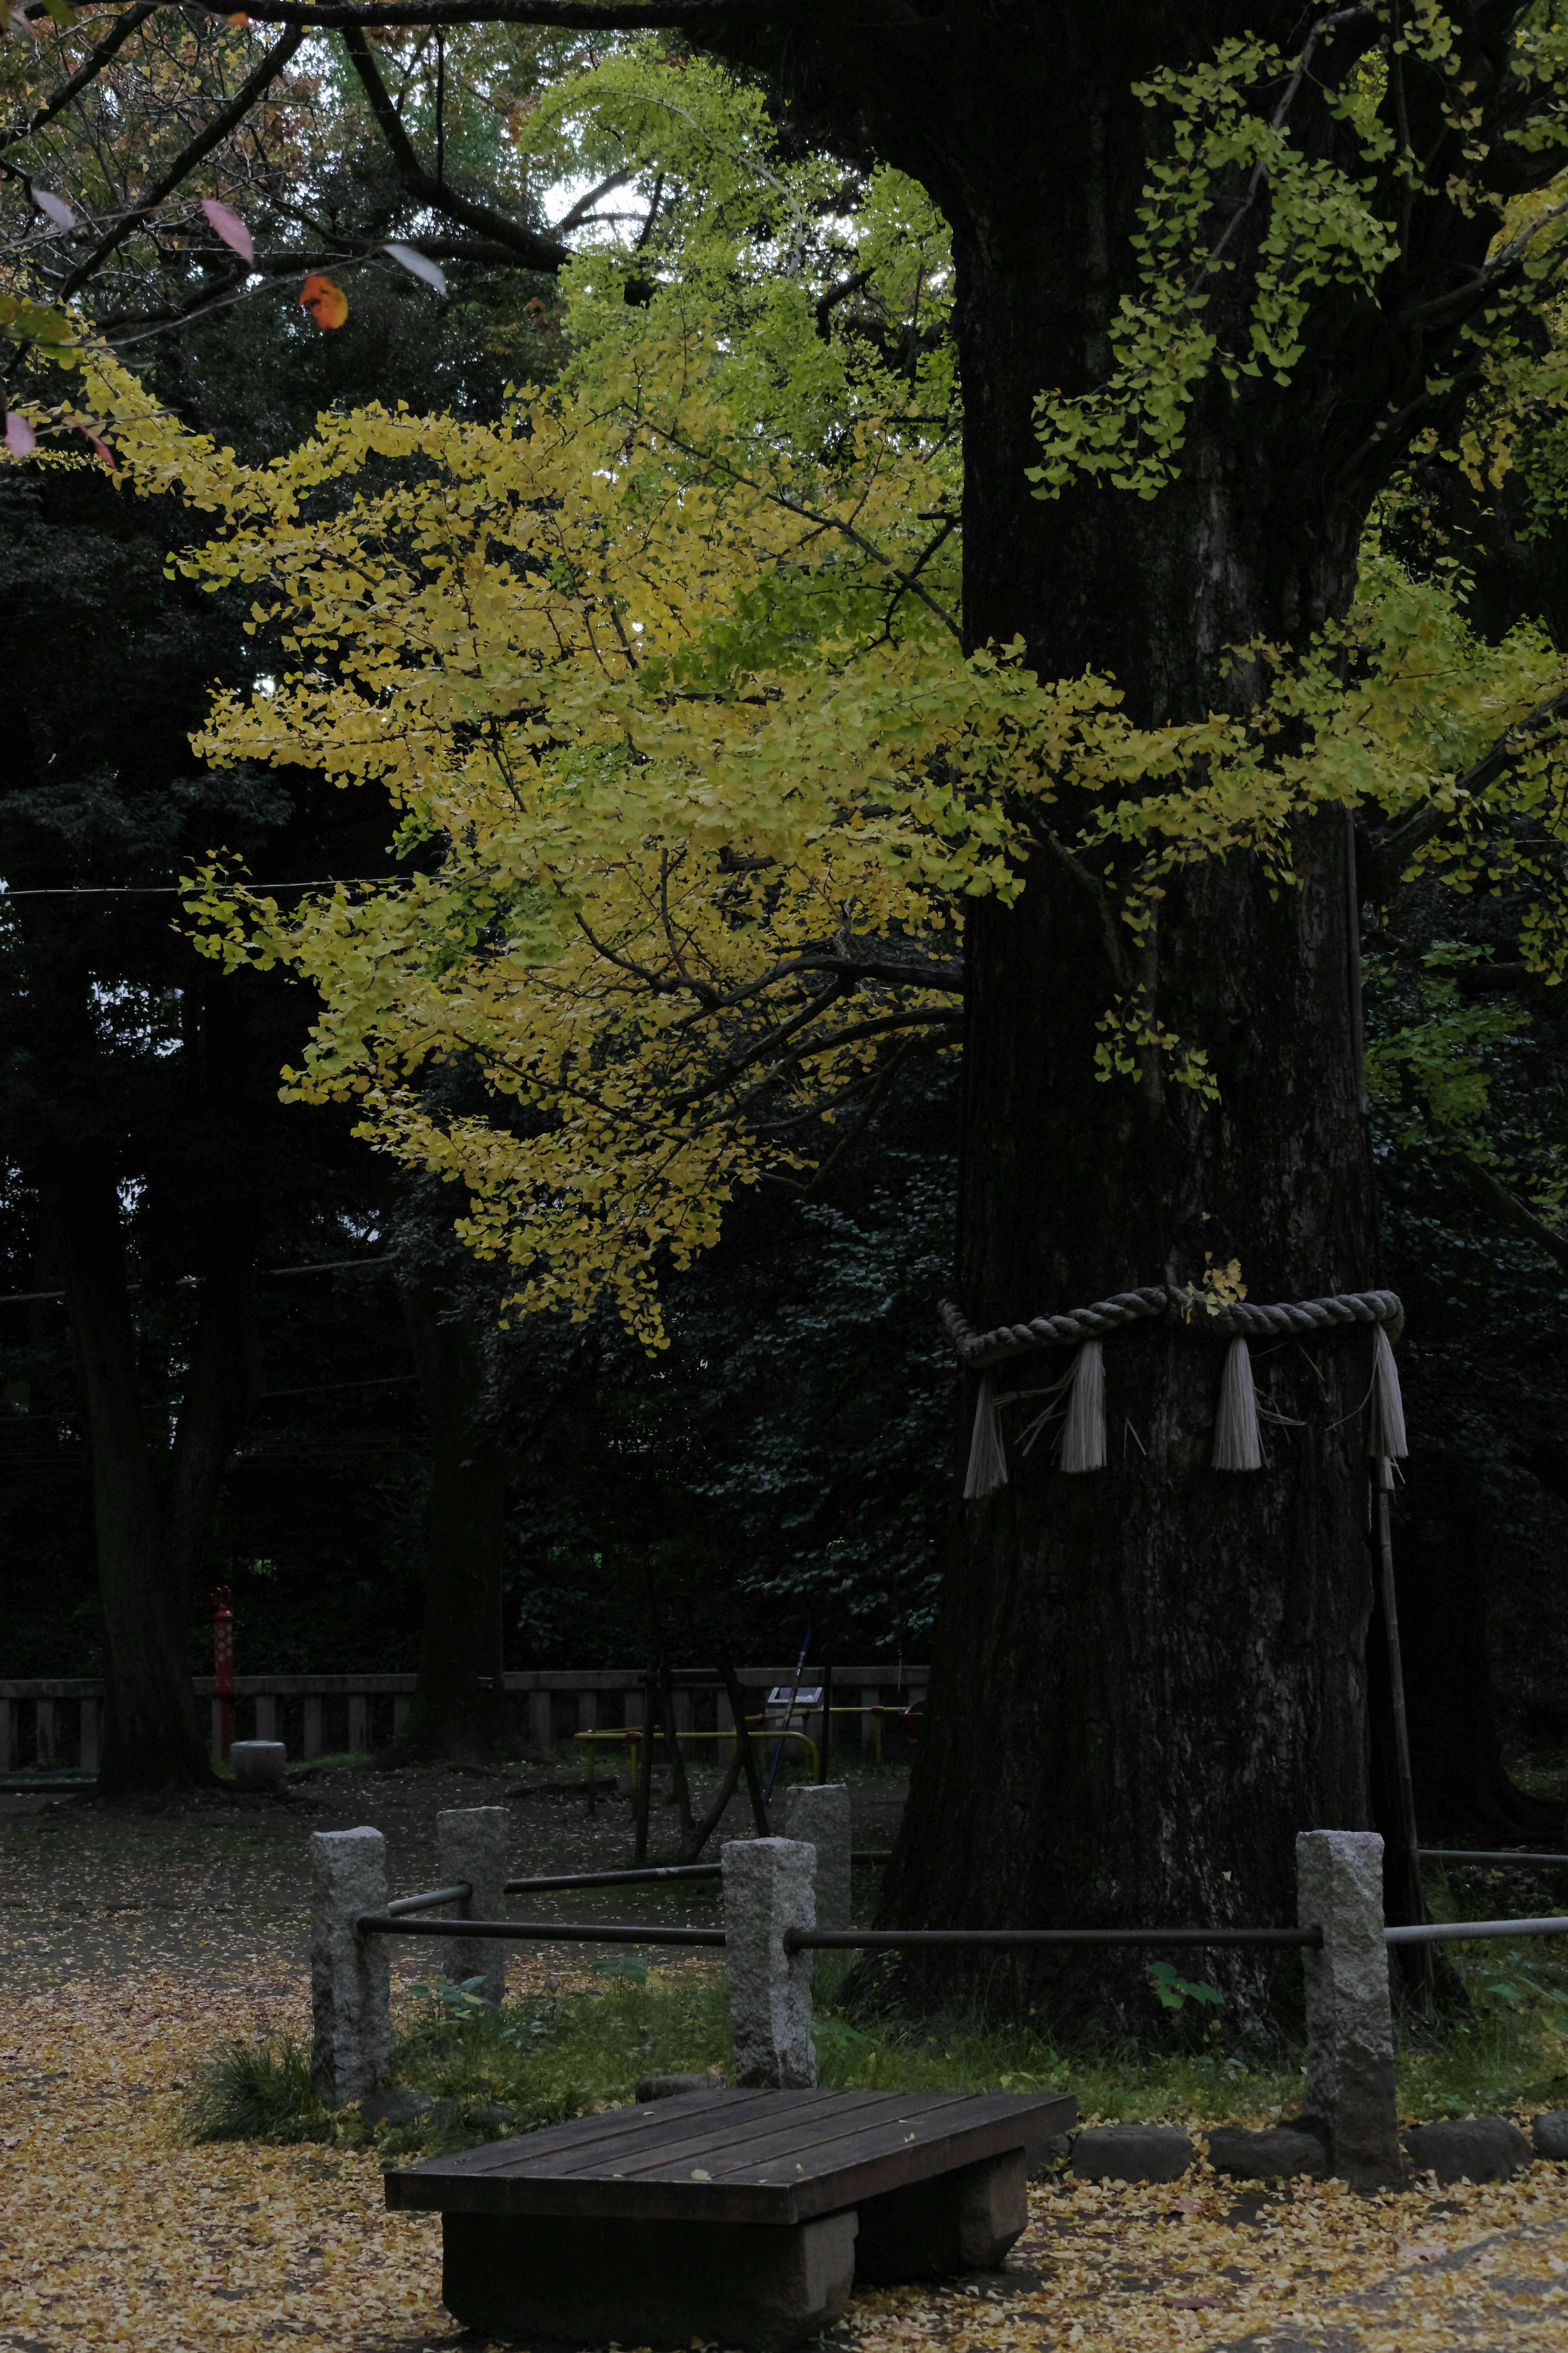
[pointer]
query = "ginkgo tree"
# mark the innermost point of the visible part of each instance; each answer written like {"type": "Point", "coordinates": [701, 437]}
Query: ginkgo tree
{"type": "Point", "coordinates": [673, 671]}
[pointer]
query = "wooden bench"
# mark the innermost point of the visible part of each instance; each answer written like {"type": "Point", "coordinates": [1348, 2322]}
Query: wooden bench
{"type": "Point", "coordinates": [746, 2217]}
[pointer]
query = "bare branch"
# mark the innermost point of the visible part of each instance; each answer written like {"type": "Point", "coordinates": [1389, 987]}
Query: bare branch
{"type": "Point", "coordinates": [539, 253]}
{"type": "Point", "coordinates": [119, 32]}
{"type": "Point", "coordinates": [212, 136]}
{"type": "Point", "coordinates": [585, 203]}
{"type": "Point", "coordinates": [693, 17]}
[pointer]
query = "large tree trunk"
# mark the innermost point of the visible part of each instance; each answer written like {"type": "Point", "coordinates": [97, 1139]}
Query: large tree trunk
{"type": "Point", "coordinates": [1145, 1679]}
{"type": "Point", "coordinates": [459, 1713]}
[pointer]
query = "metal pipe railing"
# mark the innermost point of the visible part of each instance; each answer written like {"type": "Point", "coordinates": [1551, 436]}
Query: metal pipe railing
{"type": "Point", "coordinates": [1482, 1854]}
{"type": "Point", "coordinates": [1444, 1932]}
{"type": "Point", "coordinates": [566, 1932]}
{"type": "Point", "coordinates": [428, 1902]}
{"type": "Point", "coordinates": [898, 1940]}
{"type": "Point", "coordinates": [646, 1877]}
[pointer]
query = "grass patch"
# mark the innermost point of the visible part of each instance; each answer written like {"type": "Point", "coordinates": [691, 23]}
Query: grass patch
{"type": "Point", "coordinates": [257, 2091]}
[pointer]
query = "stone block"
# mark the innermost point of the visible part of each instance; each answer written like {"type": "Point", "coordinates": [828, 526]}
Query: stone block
{"type": "Point", "coordinates": [818, 1814]}
{"type": "Point", "coordinates": [963, 2221]}
{"type": "Point", "coordinates": [1131, 2153]}
{"type": "Point", "coordinates": [1468, 2149]}
{"type": "Point", "coordinates": [592, 2281]}
{"type": "Point", "coordinates": [398, 2107]}
{"type": "Point", "coordinates": [1350, 2026]}
{"type": "Point", "coordinates": [350, 1974]}
{"type": "Point", "coordinates": [1549, 2133]}
{"type": "Point", "coordinates": [769, 1887]}
{"type": "Point", "coordinates": [257, 1764]}
{"type": "Point", "coordinates": [471, 1842]}
{"type": "Point", "coordinates": [670, 2087]}
{"type": "Point", "coordinates": [1278, 2155]}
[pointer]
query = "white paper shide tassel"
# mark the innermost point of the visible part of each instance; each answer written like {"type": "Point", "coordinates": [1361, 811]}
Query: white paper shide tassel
{"type": "Point", "coordinates": [1385, 1429]}
{"type": "Point", "coordinates": [987, 1455]}
{"type": "Point", "coordinates": [1235, 1439]}
{"type": "Point", "coordinates": [1083, 1437]}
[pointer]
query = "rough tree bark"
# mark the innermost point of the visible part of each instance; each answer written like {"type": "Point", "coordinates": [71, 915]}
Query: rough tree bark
{"type": "Point", "coordinates": [152, 1506]}
{"type": "Point", "coordinates": [1146, 1681]}
{"type": "Point", "coordinates": [458, 1712]}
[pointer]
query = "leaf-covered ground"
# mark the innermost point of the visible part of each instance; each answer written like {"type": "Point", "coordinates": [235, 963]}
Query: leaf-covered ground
{"type": "Point", "coordinates": [115, 2232]}
{"type": "Point", "coordinates": [112, 2232]}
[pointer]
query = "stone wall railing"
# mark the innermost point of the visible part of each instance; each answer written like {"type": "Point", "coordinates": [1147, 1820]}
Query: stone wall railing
{"type": "Point", "coordinates": [54, 1720]}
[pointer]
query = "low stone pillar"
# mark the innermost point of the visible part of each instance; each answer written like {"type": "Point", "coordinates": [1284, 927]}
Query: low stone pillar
{"type": "Point", "coordinates": [257, 1764]}
{"type": "Point", "coordinates": [1350, 2022]}
{"type": "Point", "coordinates": [472, 1841]}
{"type": "Point", "coordinates": [350, 1974]}
{"type": "Point", "coordinates": [769, 1886]}
{"type": "Point", "coordinates": [818, 1814]}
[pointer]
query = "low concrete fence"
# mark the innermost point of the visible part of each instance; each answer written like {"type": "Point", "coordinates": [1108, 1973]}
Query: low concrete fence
{"type": "Point", "coordinates": [55, 1720]}
{"type": "Point", "coordinates": [787, 1898]}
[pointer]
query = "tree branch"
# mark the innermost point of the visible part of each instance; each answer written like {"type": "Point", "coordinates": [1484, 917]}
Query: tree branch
{"type": "Point", "coordinates": [544, 254]}
{"type": "Point", "coordinates": [585, 203]}
{"type": "Point", "coordinates": [119, 32]}
{"type": "Point", "coordinates": [691, 16]}
{"type": "Point", "coordinates": [1384, 859]}
{"type": "Point", "coordinates": [1495, 1195]}
{"type": "Point", "coordinates": [215, 133]}
{"type": "Point", "coordinates": [131, 326]}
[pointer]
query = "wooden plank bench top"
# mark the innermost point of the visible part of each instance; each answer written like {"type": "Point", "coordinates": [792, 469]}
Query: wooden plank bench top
{"type": "Point", "coordinates": [780, 2157]}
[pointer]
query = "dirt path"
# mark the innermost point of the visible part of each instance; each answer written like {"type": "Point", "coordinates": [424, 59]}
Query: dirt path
{"type": "Point", "coordinates": [212, 1886]}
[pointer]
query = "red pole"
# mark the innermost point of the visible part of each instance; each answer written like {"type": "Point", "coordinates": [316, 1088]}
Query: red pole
{"type": "Point", "coordinates": [222, 1663]}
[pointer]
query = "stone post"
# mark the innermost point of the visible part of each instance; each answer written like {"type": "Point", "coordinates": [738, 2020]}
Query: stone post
{"type": "Point", "coordinates": [257, 1764]}
{"type": "Point", "coordinates": [768, 1887]}
{"type": "Point", "coordinates": [350, 1974]}
{"type": "Point", "coordinates": [819, 1813]}
{"type": "Point", "coordinates": [1350, 2024]}
{"type": "Point", "coordinates": [472, 1841]}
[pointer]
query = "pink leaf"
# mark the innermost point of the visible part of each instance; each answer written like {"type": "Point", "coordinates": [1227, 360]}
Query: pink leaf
{"type": "Point", "coordinates": [20, 437]}
{"type": "Point", "coordinates": [54, 208]}
{"type": "Point", "coordinates": [229, 227]}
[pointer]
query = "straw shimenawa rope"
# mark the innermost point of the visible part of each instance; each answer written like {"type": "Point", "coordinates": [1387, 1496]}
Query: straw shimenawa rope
{"type": "Point", "coordinates": [1238, 1319]}
{"type": "Point", "coordinates": [1237, 1445]}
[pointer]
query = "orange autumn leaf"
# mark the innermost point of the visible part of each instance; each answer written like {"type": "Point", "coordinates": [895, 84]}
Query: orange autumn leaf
{"type": "Point", "coordinates": [327, 304]}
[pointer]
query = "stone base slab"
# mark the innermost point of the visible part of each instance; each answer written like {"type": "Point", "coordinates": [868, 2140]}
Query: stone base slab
{"type": "Point", "coordinates": [963, 2221]}
{"type": "Point", "coordinates": [593, 2280]}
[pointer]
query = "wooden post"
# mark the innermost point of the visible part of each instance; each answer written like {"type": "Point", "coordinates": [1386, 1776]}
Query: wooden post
{"type": "Point", "coordinates": [672, 1729]}
{"type": "Point", "coordinates": [313, 1741]}
{"type": "Point", "coordinates": [748, 1752]}
{"type": "Point", "coordinates": [644, 1767]}
{"type": "Point", "coordinates": [1422, 1967]}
